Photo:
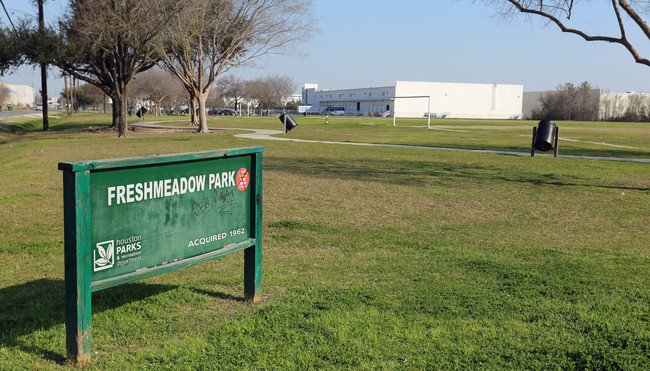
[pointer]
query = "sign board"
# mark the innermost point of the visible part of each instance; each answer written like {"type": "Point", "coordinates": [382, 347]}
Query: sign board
{"type": "Point", "coordinates": [132, 218]}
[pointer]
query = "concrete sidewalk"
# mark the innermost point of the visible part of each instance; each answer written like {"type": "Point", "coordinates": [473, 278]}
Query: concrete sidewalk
{"type": "Point", "coordinates": [266, 134]}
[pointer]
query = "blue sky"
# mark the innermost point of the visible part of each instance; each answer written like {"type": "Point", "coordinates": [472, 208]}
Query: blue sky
{"type": "Point", "coordinates": [364, 43]}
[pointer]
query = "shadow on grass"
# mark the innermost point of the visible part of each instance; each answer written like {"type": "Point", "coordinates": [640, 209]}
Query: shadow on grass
{"type": "Point", "coordinates": [77, 126]}
{"type": "Point", "coordinates": [218, 295]}
{"type": "Point", "coordinates": [427, 171]}
{"type": "Point", "coordinates": [31, 127]}
{"type": "Point", "coordinates": [39, 305]}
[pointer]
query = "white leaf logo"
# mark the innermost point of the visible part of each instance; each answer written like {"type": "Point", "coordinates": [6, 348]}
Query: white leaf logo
{"type": "Point", "coordinates": [109, 254]}
{"type": "Point", "coordinates": [105, 252]}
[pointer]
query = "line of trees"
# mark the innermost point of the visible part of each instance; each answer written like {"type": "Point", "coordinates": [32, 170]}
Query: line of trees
{"type": "Point", "coordinates": [108, 42]}
{"type": "Point", "coordinates": [568, 102]}
{"type": "Point", "coordinates": [167, 94]}
{"type": "Point", "coordinates": [270, 92]}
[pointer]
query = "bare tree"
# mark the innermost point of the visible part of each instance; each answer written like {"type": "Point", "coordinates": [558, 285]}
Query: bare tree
{"type": "Point", "coordinates": [107, 42]}
{"type": "Point", "coordinates": [258, 93]}
{"type": "Point", "coordinates": [4, 95]}
{"type": "Point", "coordinates": [270, 91]}
{"type": "Point", "coordinates": [218, 97]}
{"type": "Point", "coordinates": [626, 14]}
{"type": "Point", "coordinates": [176, 95]}
{"type": "Point", "coordinates": [282, 87]}
{"type": "Point", "coordinates": [212, 36]}
{"type": "Point", "coordinates": [569, 102]}
{"type": "Point", "coordinates": [232, 87]}
{"type": "Point", "coordinates": [154, 85]}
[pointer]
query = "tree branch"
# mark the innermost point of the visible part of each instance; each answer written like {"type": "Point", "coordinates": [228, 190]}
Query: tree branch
{"type": "Point", "coordinates": [622, 40]}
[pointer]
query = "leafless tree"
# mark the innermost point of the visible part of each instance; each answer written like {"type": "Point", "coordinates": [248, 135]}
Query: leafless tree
{"type": "Point", "coordinates": [258, 93]}
{"type": "Point", "coordinates": [626, 14]}
{"type": "Point", "coordinates": [637, 108]}
{"type": "Point", "coordinates": [569, 102]}
{"type": "Point", "coordinates": [155, 85]}
{"type": "Point", "coordinates": [4, 95]}
{"type": "Point", "coordinates": [212, 36]}
{"type": "Point", "coordinates": [218, 97]}
{"type": "Point", "coordinates": [281, 87]}
{"type": "Point", "coordinates": [175, 97]}
{"type": "Point", "coordinates": [107, 42]}
{"type": "Point", "coordinates": [270, 91]}
{"type": "Point", "coordinates": [233, 88]}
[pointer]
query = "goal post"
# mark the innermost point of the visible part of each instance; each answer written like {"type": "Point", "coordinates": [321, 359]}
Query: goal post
{"type": "Point", "coordinates": [414, 97]}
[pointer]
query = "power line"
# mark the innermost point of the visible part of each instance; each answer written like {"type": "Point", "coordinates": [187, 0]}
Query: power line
{"type": "Point", "coordinates": [7, 13]}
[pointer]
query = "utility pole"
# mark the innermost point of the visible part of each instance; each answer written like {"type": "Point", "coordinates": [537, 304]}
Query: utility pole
{"type": "Point", "coordinates": [67, 96]}
{"type": "Point", "coordinates": [74, 94]}
{"type": "Point", "coordinates": [41, 30]}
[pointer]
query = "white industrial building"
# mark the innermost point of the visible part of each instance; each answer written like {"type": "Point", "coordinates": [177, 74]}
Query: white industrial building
{"type": "Point", "coordinates": [417, 99]}
{"type": "Point", "coordinates": [16, 95]}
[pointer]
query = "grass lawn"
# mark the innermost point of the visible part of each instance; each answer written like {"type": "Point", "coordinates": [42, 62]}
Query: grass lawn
{"type": "Point", "coordinates": [373, 257]}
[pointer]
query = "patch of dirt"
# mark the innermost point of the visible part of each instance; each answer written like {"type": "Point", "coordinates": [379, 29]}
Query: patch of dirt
{"type": "Point", "coordinates": [160, 130]}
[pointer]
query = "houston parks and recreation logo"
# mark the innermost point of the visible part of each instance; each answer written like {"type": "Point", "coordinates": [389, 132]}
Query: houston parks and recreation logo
{"type": "Point", "coordinates": [104, 255]}
{"type": "Point", "coordinates": [124, 251]}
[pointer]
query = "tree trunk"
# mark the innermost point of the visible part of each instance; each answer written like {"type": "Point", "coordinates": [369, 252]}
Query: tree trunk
{"type": "Point", "coordinates": [44, 98]}
{"type": "Point", "coordinates": [116, 112]}
{"type": "Point", "coordinates": [192, 108]}
{"type": "Point", "coordinates": [120, 110]}
{"type": "Point", "coordinates": [122, 122]}
{"type": "Point", "coordinates": [203, 119]}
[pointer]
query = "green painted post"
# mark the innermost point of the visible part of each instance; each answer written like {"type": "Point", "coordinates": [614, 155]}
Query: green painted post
{"type": "Point", "coordinates": [253, 254]}
{"type": "Point", "coordinates": [77, 265]}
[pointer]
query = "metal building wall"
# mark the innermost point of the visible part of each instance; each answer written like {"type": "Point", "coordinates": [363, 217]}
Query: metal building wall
{"type": "Point", "coordinates": [454, 100]}
{"type": "Point", "coordinates": [459, 100]}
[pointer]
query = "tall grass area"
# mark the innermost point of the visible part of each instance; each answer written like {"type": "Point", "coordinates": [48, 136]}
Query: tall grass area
{"type": "Point", "coordinates": [374, 258]}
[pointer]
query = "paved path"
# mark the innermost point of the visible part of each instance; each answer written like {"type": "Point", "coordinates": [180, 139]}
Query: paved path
{"type": "Point", "coordinates": [266, 134]}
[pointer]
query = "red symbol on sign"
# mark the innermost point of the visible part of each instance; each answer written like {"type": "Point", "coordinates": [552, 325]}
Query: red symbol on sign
{"type": "Point", "coordinates": [242, 179]}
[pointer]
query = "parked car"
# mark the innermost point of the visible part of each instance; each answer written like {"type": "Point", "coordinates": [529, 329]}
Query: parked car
{"type": "Point", "coordinates": [335, 111]}
{"type": "Point", "coordinates": [39, 107]}
{"type": "Point", "coordinates": [227, 112]}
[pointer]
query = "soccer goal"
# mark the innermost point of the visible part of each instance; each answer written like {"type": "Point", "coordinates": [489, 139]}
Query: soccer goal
{"type": "Point", "coordinates": [428, 113]}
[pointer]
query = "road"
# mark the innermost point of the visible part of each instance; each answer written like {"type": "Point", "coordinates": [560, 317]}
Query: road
{"type": "Point", "coordinates": [6, 114]}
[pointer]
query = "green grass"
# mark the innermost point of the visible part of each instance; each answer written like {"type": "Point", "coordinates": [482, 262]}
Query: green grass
{"type": "Point", "coordinates": [374, 258]}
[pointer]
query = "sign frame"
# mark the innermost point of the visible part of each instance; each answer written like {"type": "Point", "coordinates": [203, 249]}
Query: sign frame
{"type": "Point", "coordinates": [77, 237]}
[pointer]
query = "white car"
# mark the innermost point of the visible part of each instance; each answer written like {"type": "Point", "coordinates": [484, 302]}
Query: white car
{"type": "Point", "coordinates": [39, 107]}
{"type": "Point", "coordinates": [335, 111]}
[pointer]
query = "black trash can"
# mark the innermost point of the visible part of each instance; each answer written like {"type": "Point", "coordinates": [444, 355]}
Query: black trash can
{"type": "Point", "coordinates": [291, 123]}
{"type": "Point", "coordinates": [545, 135]}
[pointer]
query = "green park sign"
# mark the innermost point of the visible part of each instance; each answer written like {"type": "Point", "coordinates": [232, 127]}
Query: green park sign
{"type": "Point", "coordinates": [132, 218]}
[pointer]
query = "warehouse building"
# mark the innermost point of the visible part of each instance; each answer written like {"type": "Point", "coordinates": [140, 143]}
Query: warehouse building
{"type": "Point", "coordinates": [19, 96]}
{"type": "Point", "coordinates": [417, 99]}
